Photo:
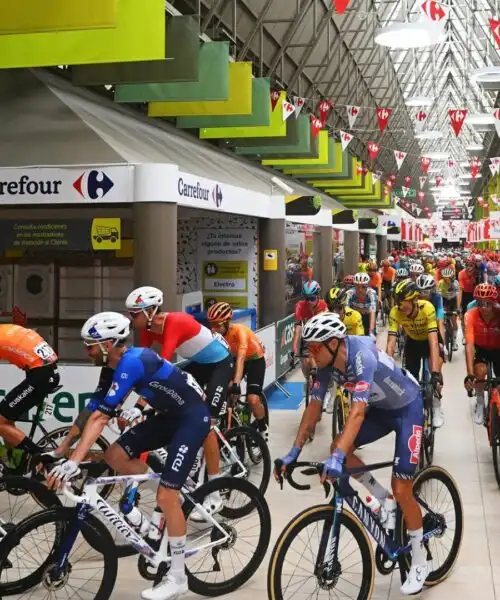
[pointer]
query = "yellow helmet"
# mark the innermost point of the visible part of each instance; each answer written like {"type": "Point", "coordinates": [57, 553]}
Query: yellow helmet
{"type": "Point", "coordinates": [336, 296]}
{"type": "Point", "coordinates": [406, 290]}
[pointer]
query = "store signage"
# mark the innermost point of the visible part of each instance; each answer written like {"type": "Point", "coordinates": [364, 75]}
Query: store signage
{"type": "Point", "coordinates": [194, 189]}
{"type": "Point", "coordinates": [284, 339]}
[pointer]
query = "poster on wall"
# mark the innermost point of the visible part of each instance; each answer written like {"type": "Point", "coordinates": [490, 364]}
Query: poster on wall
{"type": "Point", "coordinates": [228, 264]}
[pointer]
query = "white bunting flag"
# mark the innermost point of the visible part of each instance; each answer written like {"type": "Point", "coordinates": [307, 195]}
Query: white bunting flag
{"type": "Point", "coordinates": [288, 110]}
{"type": "Point", "coordinates": [345, 139]}
{"type": "Point", "coordinates": [352, 115]}
{"type": "Point", "coordinates": [418, 211]}
{"type": "Point", "coordinates": [493, 169]}
{"type": "Point", "coordinates": [422, 181]}
{"type": "Point", "coordinates": [298, 104]}
{"type": "Point", "coordinates": [400, 157]}
{"type": "Point", "coordinates": [495, 161]}
{"type": "Point", "coordinates": [496, 116]}
{"type": "Point", "coordinates": [376, 176]}
{"type": "Point", "coordinates": [470, 210]}
{"type": "Point", "coordinates": [420, 119]}
{"type": "Point", "coordinates": [404, 189]}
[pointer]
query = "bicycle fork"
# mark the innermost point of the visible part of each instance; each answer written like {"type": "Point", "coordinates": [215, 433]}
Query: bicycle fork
{"type": "Point", "coordinates": [328, 569]}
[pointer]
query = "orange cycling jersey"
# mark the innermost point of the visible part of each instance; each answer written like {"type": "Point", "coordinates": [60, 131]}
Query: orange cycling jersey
{"type": "Point", "coordinates": [242, 339]}
{"type": "Point", "coordinates": [481, 333]}
{"type": "Point", "coordinates": [24, 348]}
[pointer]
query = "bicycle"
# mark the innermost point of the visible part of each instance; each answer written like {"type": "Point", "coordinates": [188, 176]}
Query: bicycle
{"type": "Point", "coordinates": [428, 431]}
{"type": "Point", "coordinates": [331, 520]}
{"type": "Point", "coordinates": [448, 333]}
{"type": "Point", "coordinates": [341, 408]}
{"type": "Point", "coordinates": [67, 523]}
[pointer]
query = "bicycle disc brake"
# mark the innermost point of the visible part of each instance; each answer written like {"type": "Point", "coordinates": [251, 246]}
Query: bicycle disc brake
{"type": "Point", "coordinates": [217, 535]}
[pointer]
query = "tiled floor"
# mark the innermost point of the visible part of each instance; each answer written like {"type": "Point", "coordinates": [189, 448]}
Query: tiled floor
{"type": "Point", "coordinates": [461, 448]}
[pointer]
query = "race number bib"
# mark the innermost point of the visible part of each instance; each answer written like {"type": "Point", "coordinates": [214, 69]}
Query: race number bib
{"type": "Point", "coordinates": [43, 351]}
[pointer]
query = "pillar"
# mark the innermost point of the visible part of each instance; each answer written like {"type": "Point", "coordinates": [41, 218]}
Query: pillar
{"type": "Point", "coordinates": [155, 249]}
{"type": "Point", "coordinates": [371, 245]}
{"type": "Point", "coordinates": [272, 284]}
{"type": "Point", "coordinates": [351, 252]}
{"type": "Point", "coordinates": [382, 248]}
{"type": "Point", "coordinates": [323, 257]}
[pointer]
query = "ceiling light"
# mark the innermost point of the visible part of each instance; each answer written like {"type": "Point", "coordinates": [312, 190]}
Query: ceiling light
{"type": "Point", "coordinates": [429, 135]}
{"type": "Point", "coordinates": [465, 164]}
{"type": "Point", "coordinates": [419, 101]}
{"type": "Point", "coordinates": [435, 170]}
{"type": "Point", "coordinates": [486, 75]}
{"type": "Point", "coordinates": [474, 148]}
{"type": "Point", "coordinates": [466, 176]}
{"type": "Point", "coordinates": [480, 119]}
{"type": "Point", "coordinates": [436, 155]}
{"type": "Point", "coordinates": [410, 35]}
{"type": "Point", "coordinates": [464, 183]}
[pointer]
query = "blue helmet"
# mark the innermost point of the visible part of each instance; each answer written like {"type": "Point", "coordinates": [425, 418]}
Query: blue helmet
{"type": "Point", "coordinates": [496, 281]}
{"type": "Point", "coordinates": [311, 288]}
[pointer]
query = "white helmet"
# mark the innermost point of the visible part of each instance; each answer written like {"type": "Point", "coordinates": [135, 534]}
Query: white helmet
{"type": "Point", "coordinates": [143, 298]}
{"type": "Point", "coordinates": [323, 327]}
{"type": "Point", "coordinates": [447, 272]}
{"type": "Point", "coordinates": [106, 326]}
{"type": "Point", "coordinates": [416, 268]}
{"type": "Point", "coordinates": [361, 279]}
{"type": "Point", "coordinates": [425, 282]}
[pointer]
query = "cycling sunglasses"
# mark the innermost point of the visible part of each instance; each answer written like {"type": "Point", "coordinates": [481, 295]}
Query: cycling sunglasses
{"type": "Point", "coordinates": [485, 303]}
{"type": "Point", "coordinates": [311, 298]}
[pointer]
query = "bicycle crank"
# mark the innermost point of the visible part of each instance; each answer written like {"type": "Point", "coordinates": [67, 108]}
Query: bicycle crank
{"type": "Point", "coordinates": [384, 564]}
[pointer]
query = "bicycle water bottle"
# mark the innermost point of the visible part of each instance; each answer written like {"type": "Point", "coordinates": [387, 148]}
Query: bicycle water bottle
{"type": "Point", "coordinates": [374, 505]}
{"type": "Point", "coordinates": [243, 411]}
{"type": "Point", "coordinates": [136, 519]}
{"type": "Point", "coordinates": [157, 525]}
{"type": "Point", "coordinates": [390, 506]}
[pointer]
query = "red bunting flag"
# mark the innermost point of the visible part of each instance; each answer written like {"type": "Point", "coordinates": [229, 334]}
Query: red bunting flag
{"type": "Point", "coordinates": [425, 163]}
{"type": "Point", "coordinates": [457, 118]}
{"type": "Point", "coordinates": [495, 30]}
{"type": "Point", "coordinates": [388, 183]}
{"type": "Point", "coordinates": [323, 108]}
{"type": "Point", "coordinates": [392, 177]}
{"type": "Point", "coordinates": [316, 125]}
{"type": "Point", "coordinates": [475, 167]}
{"type": "Point", "coordinates": [340, 5]}
{"type": "Point", "coordinates": [275, 96]}
{"type": "Point", "coordinates": [407, 181]}
{"type": "Point", "coordinates": [383, 115]}
{"type": "Point", "coordinates": [364, 170]}
{"type": "Point", "coordinates": [373, 150]}
{"type": "Point", "coordinates": [433, 10]}
{"type": "Point", "coordinates": [421, 196]}
{"type": "Point", "coordinates": [359, 168]}
{"type": "Point", "coordinates": [439, 179]}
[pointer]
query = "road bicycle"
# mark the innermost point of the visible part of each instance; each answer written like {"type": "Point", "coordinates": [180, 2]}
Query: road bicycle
{"type": "Point", "coordinates": [428, 433]}
{"type": "Point", "coordinates": [449, 333]}
{"type": "Point", "coordinates": [330, 524]}
{"type": "Point", "coordinates": [62, 549]}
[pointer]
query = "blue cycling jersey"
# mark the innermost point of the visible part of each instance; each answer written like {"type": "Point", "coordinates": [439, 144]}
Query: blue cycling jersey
{"type": "Point", "coordinates": [437, 301]}
{"type": "Point", "coordinates": [159, 382]}
{"type": "Point", "coordinates": [369, 302]}
{"type": "Point", "coordinates": [371, 376]}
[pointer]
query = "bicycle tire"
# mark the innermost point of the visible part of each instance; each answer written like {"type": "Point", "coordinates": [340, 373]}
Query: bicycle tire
{"type": "Point", "coordinates": [449, 338]}
{"type": "Point", "coordinates": [93, 531]}
{"type": "Point", "coordinates": [495, 440]}
{"type": "Point", "coordinates": [435, 472]}
{"type": "Point", "coordinates": [18, 485]}
{"type": "Point", "coordinates": [296, 525]}
{"type": "Point", "coordinates": [336, 401]}
{"type": "Point", "coordinates": [259, 503]}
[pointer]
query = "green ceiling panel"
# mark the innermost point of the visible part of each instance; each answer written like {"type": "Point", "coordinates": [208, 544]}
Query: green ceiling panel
{"type": "Point", "coordinates": [291, 161]}
{"type": "Point", "coordinates": [260, 116]}
{"type": "Point", "coordinates": [212, 83]}
{"type": "Point", "coordinates": [182, 49]}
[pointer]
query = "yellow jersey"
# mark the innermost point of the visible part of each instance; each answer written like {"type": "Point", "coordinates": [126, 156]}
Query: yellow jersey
{"type": "Point", "coordinates": [353, 322]}
{"type": "Point", "coordinates": [417, 328]}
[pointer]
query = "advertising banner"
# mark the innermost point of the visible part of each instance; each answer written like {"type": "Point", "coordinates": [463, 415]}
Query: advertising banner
{"type": "Point", "coordinates": [268, 338]}
{"type": "Point", "coordinates": [284, 338]}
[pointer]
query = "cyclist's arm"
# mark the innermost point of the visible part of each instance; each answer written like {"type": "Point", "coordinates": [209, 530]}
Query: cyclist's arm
{"type": "Point", "coordinates": [392, 332]}
{"type": "Point", "coordinates": [297, 332]}
{"type": "Point", "coordinates": [313, 411]}
{"type": "Point", "coordinates": [240, 357]}
{"type": "Point", "coordinates": [373, 312]}
{"type": "Point", "coordinates": [358, 325]}
{"type": "Point", "coordinates": [432, 336]}
{"type": "Point", "coordinates": [470, 348]}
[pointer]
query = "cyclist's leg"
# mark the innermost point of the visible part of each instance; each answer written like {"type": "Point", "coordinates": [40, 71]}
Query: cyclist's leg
{"type": "Point", "coordinates": [365, 318]}
{"type": "Point", "coordinates": [480, 372]}
{"type": "Point", "coordinates": [413, 356]}
{"type": "Point", "coordinates": [255, 371]}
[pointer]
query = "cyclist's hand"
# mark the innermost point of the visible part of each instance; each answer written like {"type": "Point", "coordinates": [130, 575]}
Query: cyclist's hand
{"type": "Point", "coordinates": [292, 359]}
{"type": "Point", "coordinates": [65, 470]}
{"type": "Point", "coordinates": [130, 415]}
{"type": "Point", "coordinates": [44, 459]}
{"type": "Point", "coordinates": [333, 467]}
{"type": "Point", "coordinates": [283, 463]}
{"type": "Point", "coordinates": [235, 389]}
{"type": "Point", "coordinates": [469, 382]}
{"type": "Point", "coordinates": [436, 380]}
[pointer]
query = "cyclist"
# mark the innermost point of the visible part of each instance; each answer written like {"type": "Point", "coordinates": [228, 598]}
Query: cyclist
{"type": "Point", "coordinates": [416, 269]}
{"type": "Point", "coordinates": [363, 299]}
{"type": "Point", "coordinates": [426, 285]}
{"type": "Point", "coordinates": [250, 361]}
{"type": "Point", "coordinates": [388, 278]}
{"type": "Point", "coordinates": [336, 301]}
{"type": "Point", "coordinates": [348, 282]}
{"type": "Point", "coordinates": [417, 318]}
{"type": "Point", "coordinates": [443, 263]}
{"type": "Point", "coordinates": [182, 421]}
{"type": "Point", "coordinates": [448, 290]}
{"type": "Point", "coordinates": [468, 278]}
{"type": "Point", "coordinates": [482, 343]}
{"type": "Point", "coordinates": [384, 399]}
{"type": "Point", "coordinates": [401, 274]}
{"type": "Point", "coordinates": [210, 360]}
{"type": "Point", "coordinates": [375, 279]}
{"type": "Point", "coordinates": [27, 350]}
{"type": "Point", "coordinates": [496, 283]}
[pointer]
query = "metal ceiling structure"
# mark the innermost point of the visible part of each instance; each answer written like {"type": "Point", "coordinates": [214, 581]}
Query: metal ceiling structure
{"type": "Point", "coordinates": [310, 51]}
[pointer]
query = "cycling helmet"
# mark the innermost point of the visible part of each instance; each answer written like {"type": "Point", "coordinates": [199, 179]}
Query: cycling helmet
{"type": "Point", "coordinates": [143, 298]}
{"type": "Point", "coordinates": [485, 291]}
{"type": "Point", "coordinates": [336, 296]}
{"type": "Point", "coordinates": [361, 279]}
{"type": "Point", "coordinates": [417, 268]}
{"type": "Point", "coordinates": [477, 257]}
{"type": "Point", "coordinates": [311, 288]}
{"type": "Point", "coordinates": [443, 262]}
{"type": "Point", "coordinates": [402, 273]}
{"type": "Point", "coordinates": [390, 259]}
{"type": "Point", "coordinates": [106, 326]}
{"type": "Point", "coordinates": [386, 262]}
{"type": "Point", "coordinates": [371, 265]}
{"type": "Point", "coordinates": [349, 280]}
{"type": "Point", "coordinates": [406, 290]}
{"type": "Point", "coordinates": [496, 281]}
{"type": "Point", "coordinates": [447, 272]}
{"type": "Point", "coordinates": [425, 282]}
{"type": "Point", "coordinates": [323, 327]}
{"type": "Point", "coordinates": [220, 312]}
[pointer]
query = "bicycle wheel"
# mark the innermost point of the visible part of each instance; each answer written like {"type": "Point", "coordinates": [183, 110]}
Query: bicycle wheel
{"type": "Point", "coordinates": [236, 523]}
{"type": "Point", "coordinates": [252, 451]}
{"type": "Point", "coordinates": [49, 529]}
{"type": "Point", "coordinates": [280, 578]}
{"type": "Point", "coordinates": [444, 512]}
{"type": "Point", "coordinates": [449, 338]}
{"type": "Point", "coordinates": [495, 436]}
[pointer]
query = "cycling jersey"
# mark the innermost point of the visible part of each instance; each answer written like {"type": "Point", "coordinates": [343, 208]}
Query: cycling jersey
{"type": "Point", "coordinates": [375, 280]}
{"type": "Point", "coordinates": [467, 281]}
{"type": "Point", "coordinates": [242, 339]}
{"type": "Point", "coordinates": [368, 303]}
{"type": "Point", "coordinates": [388, 274]}
{"type": "Point", "coordinates": [418, 327]}
{"type": "Point", "coordinates": [481, 333]}
{"type": "Point", "coordinates": [353, 322]}
{"type": "Point", "coordinates": [437, 302]}
{"type": "Point", "coordinates": [448, 290]}
{"type": "Point", "coordinates": [184, 335]}
{"type": "Point", "coordinates": [473, 304]}
{"type": "Point", "coordinates": [24, 348]}
{"type": "Point", "coordinates": [305, 310]}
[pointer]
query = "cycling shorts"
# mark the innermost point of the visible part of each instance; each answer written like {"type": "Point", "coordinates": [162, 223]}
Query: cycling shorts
{"type": "Point", "coordinates": [31, 392]}
{"type": "Point", "coordinates": [184, 437]}
{"type": "Point", "coordinates": [365, 318]}
{"type": "Point", "coordinates": [255, 370]}
{"type": "Point", "coordinates": [214, 378]}
{"type": "Point", "coordinates": [416, 351]}
{"type": "Point", "coordinates": [407, 424]}
{"type": "Point", "coordinates": [467, 297]}
{"type": "Point", "coordinates": [488, 355]}
{"type": "Point", "coordinates": [387, 287]}
{"type": "Point", "coordinates": [450, 305]}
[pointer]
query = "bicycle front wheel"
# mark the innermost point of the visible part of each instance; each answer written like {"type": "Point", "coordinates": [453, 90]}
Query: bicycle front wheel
{"type": "Point", "coordinates": [495, 437]}
{"type": "Point", "coordinates": [351, 576]}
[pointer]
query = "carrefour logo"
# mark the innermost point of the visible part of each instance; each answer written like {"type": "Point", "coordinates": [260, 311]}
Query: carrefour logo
{"type": "Point", "coordinates": [93, 185]}
{"type": "Point", "coordinates": [217, 196]}
{"type": "Point", "coordinates": [199, 192]}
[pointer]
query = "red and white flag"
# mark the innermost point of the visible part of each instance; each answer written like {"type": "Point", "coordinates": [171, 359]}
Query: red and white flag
{"type": "Point", "coordinates": [376, 176]}
{"type": "Point", "coordinates": [400, 157]}
{"type": "Point", "coordinates": [352, 115]}
{"type": "Point", "coordinates": [457, 118]}
{"type": "Point", "coordinates": [345, 139]}
{"type": "Point", "coordinates": [450, 166]}
{"type": "Point", "coordinates": [422, 181]}
{"type": "Point", "coordinates": [496, 116]}
{"type": "Point", "coordinates": [404, 190]}
{"type": "Point", "coordinates": [495, 30]}
{"type": "Point", "coordinates": [388, 183]}
{"type": "Point", "coordinates": [407, 180]}
{"type": "Point", "coordinates": [495, 162]}
{"type": "Point", "coordinates": [475, 167]}
{"type": "Point", "coordinates": [420, 196]}
{"type": "Point", "coordinates": [316, 125]}
{"type": "Point", "coordinates": [383, 115]}
{"type": "Point", "coordinates": [275, 96]}
{"type": "Point", "coordinates": [323, 109]}
{"type": "Point", "coordinates": [425, 163]}
{"type": "Point", "coordinates": [340, 5]}
{"type": "Point", "coordinates": [288, 110]}
{"type": "Point", "coordinates": [373, 150]}
{"type": "Point", "coordinates": [364, 170]}
{"type": "Point", "coordinates": [420, 119]}
{"type": "Point", "coordinates": [439, 179]}
{"type": "Point", "coordinates": [434, 11]}
{"type": "Point", "coordinates": [492, 168]}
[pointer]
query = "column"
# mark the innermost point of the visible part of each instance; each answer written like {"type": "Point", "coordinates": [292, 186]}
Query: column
{"type": "Point", "coordinates": [351, 252]}
{"type": "Point", "coordinates": [382, 248]}
{"type": "Point", "coordinates": [272, 284]}
{"type": "Point", "coordinates": [371, 245]}
{"type": "Point", "coordinates": [155, 249]}
{"type": "Point", "coordinates": [323, 257]}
